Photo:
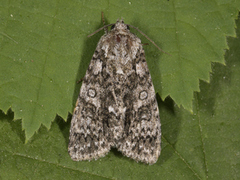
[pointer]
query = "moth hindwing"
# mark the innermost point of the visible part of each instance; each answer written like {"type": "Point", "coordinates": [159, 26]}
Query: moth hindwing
{"type": "Point", "coordinates": [116, 106]}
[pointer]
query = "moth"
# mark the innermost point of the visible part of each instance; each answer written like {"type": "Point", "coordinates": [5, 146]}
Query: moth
{"type": "Point", "coordinates": [117, 105]}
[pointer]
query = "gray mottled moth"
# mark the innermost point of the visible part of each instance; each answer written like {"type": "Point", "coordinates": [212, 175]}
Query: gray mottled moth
{"type": "Point", "coordinates": [116, 106]}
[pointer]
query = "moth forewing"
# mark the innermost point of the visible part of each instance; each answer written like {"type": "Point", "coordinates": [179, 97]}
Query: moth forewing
{"type": "Point", "coordinates": [117, 105]}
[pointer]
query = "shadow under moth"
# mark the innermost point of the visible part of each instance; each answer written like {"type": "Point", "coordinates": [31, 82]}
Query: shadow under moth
{"type": "Point", "coordinates": [117, 105]}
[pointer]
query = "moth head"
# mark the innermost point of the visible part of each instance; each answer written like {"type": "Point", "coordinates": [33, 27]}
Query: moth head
{"type": "Point", "coordinates": [120, 26]}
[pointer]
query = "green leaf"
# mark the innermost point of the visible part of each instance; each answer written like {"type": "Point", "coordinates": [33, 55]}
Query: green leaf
{"type": "Point", "coordinates": [45, 49]}
{"type": "Point", "coordinates": [202, 145]}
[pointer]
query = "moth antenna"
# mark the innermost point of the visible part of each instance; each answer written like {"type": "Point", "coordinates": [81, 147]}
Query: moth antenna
{"type": "Point", "coordinates": [105, 29]}
{"type": "Point", "coordinates": [149, 39]}
{"type": "Point", "coordinates": [99, 29]}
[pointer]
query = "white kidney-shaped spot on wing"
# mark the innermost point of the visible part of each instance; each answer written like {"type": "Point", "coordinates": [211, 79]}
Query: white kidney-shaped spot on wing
{"type": "Point", "coordinates": [91, 92]}
{"type": "Point", "coordinates": [143, 95]}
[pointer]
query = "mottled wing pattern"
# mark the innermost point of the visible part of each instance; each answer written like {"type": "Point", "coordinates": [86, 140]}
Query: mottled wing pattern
{"type": "Point", "coordinates": [116, 106]}
{"type": "Point", "coordinates": [142, 133]}
{"type": "Point", "coordinates": [89, 132]}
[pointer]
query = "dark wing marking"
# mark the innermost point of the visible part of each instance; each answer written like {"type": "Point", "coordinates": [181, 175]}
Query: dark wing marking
{"type": "Point", "coordinates": [142, 133]}
{"type": "Point", "coordinates": [89, 135]}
